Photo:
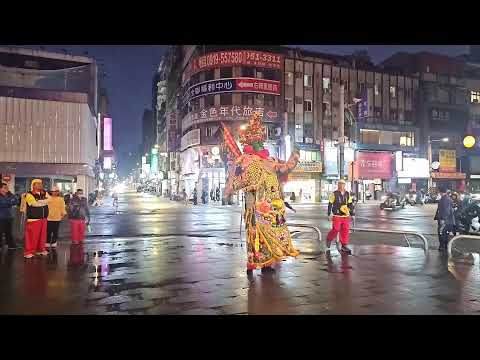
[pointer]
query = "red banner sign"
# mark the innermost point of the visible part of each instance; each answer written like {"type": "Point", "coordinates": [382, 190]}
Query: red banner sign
{"type": "Point", "coordinates": [233, 58]}
{"type": "Point", "coordinates": [373, 165]}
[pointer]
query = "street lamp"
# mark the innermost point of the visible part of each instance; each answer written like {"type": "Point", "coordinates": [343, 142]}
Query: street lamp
{"type": "Point", "coordinates": [429, 150]}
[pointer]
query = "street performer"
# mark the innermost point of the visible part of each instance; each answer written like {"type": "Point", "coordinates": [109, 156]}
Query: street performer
{"type": "Point", "coordinates": [340, 203]}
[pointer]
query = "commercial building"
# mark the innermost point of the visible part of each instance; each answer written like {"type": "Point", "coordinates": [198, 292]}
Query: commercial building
{"type": "Point", "coordinates": [442, 112]}
{"type": "Point", "coordinates": [298, 93]}
{"type": "Point", "coordinates": [48, 118]}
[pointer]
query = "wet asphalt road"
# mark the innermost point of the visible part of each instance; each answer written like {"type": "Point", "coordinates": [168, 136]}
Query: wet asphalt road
{"type": "Point", "coordinates": [154, 256]}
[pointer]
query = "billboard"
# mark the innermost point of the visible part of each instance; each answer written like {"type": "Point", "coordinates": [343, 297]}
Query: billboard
{"type": "Point", "coordinates": [233, 58]}
{"type": "Point", "coordinates": [218, 86]}
{"type": "Point", "coordinates": [448, 160]}
{"type": "Point", "coordinates": [227, 113]}
{"type": "Point", "coordinates": [373, 165]}
{"type": "Point", "coordinates": [415, 168]}
{"type": "Point", "coordinates": [107, 134]}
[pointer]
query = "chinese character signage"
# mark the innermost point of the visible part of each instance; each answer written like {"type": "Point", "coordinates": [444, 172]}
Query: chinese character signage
{"type": "Point", "coordinates": [448, 160]}
{"type": "Point", "coordinates": [373, 165]}
{"type": "Point", "coordinates": [233, 58]}
{"type": "Point", "coordinates": [227, 113]}
{"type": "Point", "coordinates": [232, 85]}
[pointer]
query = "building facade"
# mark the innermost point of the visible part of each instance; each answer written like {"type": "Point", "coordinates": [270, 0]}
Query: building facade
{"type": "Point", "coordinates": [298, 93]}
{"type": "Point", "coordinates": [48, 116]}
{"type": "Point", "coordinates": [442, 113]}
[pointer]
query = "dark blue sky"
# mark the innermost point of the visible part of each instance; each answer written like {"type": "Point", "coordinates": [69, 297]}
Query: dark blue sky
{"type": "Point", "coordinates": [130, 69]}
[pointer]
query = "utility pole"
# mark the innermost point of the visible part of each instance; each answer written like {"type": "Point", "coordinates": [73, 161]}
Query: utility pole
{"type": "Point", "coordinates": [341, 133]}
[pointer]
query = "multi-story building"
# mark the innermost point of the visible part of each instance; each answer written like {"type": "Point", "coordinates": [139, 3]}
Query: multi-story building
{"type": "Point", "coordinates": [48, 119]}
{"type": "Point", "coordinates": [107, 164]}
{"type": "Point", "coordinates": [472, 84]}
{"type": "Point", "coordinates": [298, 93]}
{"type": "Point", "coordinates": [442, 112]}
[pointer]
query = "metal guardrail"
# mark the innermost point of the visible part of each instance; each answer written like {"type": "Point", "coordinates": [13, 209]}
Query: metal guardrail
{"type": "Point", "coordinates": [404, 233]}
{"type": "Point", "coordinates": [458, 237]}
{"type": "Point", "coordinates": [317, 230]}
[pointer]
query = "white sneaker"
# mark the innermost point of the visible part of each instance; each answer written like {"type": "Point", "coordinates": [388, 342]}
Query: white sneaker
{"type": "Point", "coordinates": [29, 256]}
{"type": "Point", "coordinates": [54, 245]}
{"type": "Point", "coordinates": [42, 253]}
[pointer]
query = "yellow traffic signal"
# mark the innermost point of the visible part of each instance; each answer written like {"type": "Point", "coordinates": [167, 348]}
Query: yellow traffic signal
{"type": "Point", "coordinates": [469, 141]}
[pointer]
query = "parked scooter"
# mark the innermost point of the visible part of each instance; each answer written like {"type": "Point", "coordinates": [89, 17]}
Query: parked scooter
{"type": "Point", "coordinates": [392, 202]}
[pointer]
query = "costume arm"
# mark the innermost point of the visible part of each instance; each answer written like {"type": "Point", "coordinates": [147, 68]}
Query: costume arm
{"type": "Point", "coordinates": [350, 205]}
{"type": "Point", "coordinates": [290, 164]}
{"type": "Point", "coordinates": [31, 201]}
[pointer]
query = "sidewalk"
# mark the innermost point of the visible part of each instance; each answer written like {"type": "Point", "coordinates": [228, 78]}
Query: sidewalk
{"type": "Point", "coordinates": [205, 276]}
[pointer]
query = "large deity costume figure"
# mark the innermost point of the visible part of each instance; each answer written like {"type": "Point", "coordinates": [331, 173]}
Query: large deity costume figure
{"type": "Point", "coordinates": [259, 176]}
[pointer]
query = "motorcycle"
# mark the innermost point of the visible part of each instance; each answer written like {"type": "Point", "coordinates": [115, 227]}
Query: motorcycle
{"type": "Point", "coordinates": [392, 202]}
{"type": "Point", "coordinates": [468, 220]}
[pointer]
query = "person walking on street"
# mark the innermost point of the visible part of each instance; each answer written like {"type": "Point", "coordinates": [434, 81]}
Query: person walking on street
{"type": "Point", "coordinates": [185, 197]}
{"type": "Point", "coordinates": [340, 204]}
{"type": "Point", "coordinates": [217, 194]}
{"type": "Point", "coordinates": [36, 202]}
{"type": "Point", "coordinates": [445, 217]}
{"type": "Point", "coordinates": [79, 216]}
{"type": "Point", "coordinates": [56, 213]}
{"type": "Point", "coordinates": [7, 200]}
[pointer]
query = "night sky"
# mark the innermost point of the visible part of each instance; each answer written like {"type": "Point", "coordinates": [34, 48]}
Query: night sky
{"type": "Point", "coordinates": [130, 69]}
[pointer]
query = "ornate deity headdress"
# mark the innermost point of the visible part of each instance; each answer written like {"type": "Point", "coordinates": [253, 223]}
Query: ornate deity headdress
{"type": "Point", "coordinates": [255, 131]}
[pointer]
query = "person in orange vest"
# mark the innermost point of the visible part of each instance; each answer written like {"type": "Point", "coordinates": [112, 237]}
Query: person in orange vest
{"type": "Point", "coordinates": [340, 204]}
{"type": "Point", "coordinates": [36, 220]}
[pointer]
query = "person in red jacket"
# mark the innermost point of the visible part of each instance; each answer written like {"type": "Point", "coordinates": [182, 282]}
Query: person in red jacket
{"type": "Point", "coordinates": [340, 204]}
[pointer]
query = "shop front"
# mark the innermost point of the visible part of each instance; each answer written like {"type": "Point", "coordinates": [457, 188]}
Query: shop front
{"type": "Point", "coordinates": [373, 173]}
{"type": "Point", "coordinates": [303, 185]}
{"type": "Point", "coordinates": [444, 172]}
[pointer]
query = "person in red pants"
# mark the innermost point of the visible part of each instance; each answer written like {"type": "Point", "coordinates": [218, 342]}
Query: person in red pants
{"type": "Point", "coordinates": [36, 202]}
{"type": "Point", "coordinates": [340, 204]}
{"type": "Point", "coordinates": [79, 216]}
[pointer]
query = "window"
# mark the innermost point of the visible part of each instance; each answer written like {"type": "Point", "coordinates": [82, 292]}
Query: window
{"type": "Point", "coordinates": [307, 105]}
{"type": "Point", "coordinates": [211, 130]}
{"type": "Point", "coordinates": [377, 90]}
{"type": "Point", "coordinates": [289, 105]}
{"type": "Point", "coordinates": [393, 92]}
{"type": "Point", "coordinates": [475, 96]}
{"type": "Point", "coordinates": [247, 99]}
{"type": "Point", "coordinates": [209, 100]}
{"type": "Point", "coordinates": [307, 80]}
{"type": "Point", "coordinates": [269, 74]}
{"type": "Point", "coordinates": [326, 84]}
{"type": "Point", "coordinates": [269, 100]}
{"type": "Point", "coordinates": [259, 99]}
{"type": "Point", "coordinates": [248, 72]}
{"type": "Point", "coordinates": [196, 104]}
{"type": "Point", "coordinates": [309, 156]}
{"type": "Point", "coordinates": [440, 115]}
{"type": "Point", "coordinates": [209, 75]}
{"type": "Point", "coordinates": [370, 137]}
{"type": "Point", "coordinates": [298, 126]}
{"type": "Point", "coordinates": [326, 109]}
{"type": "Point", "coordinates": [288, 78]}
{"type": "Point", "coordinates": [225, 99]}
{"type": "Point", "coordinates": [393, 115]}
{"type": "Point", "coordinates": [226, 72]}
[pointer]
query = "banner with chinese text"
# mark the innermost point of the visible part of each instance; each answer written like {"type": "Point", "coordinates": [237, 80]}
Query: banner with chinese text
{"type": "Point", "coordinates": [233, 58]}
{"type": "Point", "coordinates": [448, 160]}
